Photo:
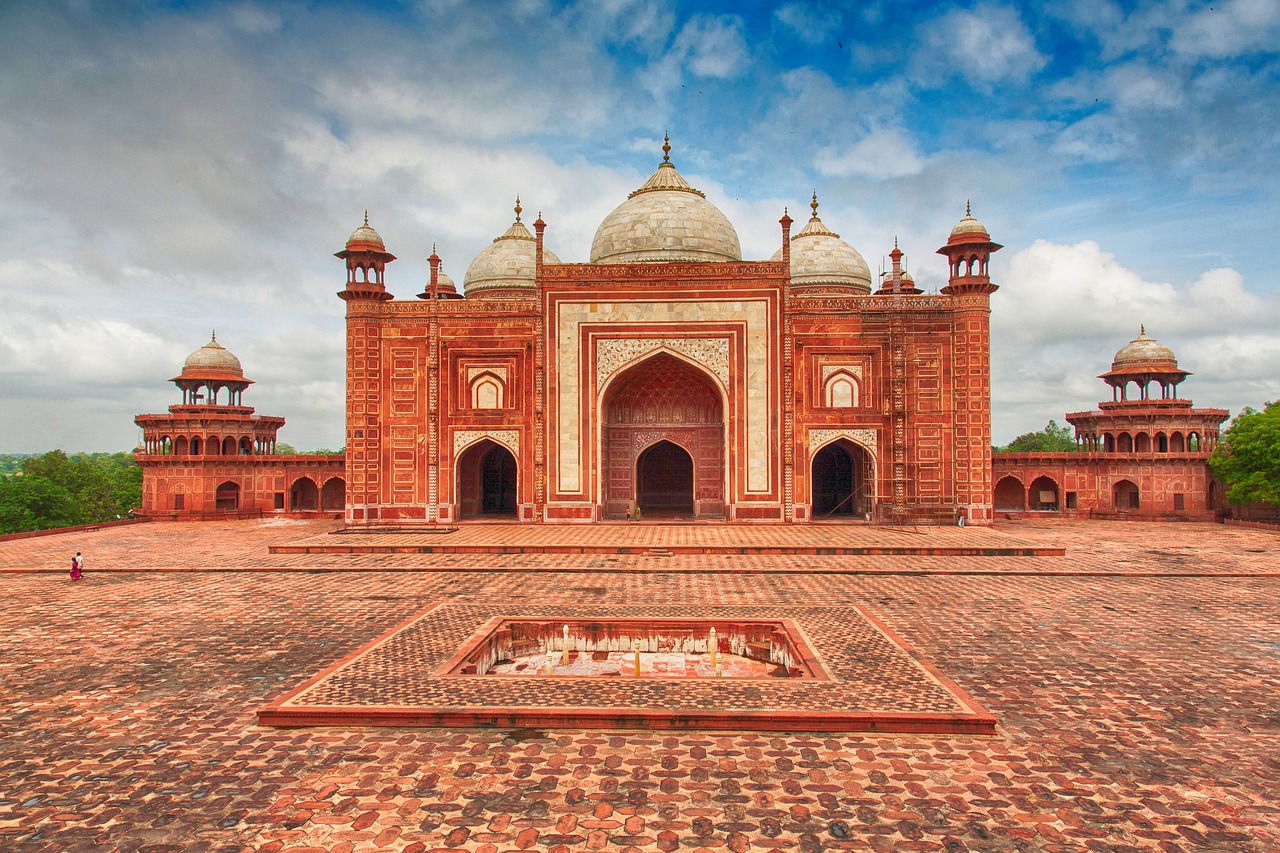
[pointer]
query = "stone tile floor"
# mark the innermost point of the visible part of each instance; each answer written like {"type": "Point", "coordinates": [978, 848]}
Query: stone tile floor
{"type": "Point", "coordinates": [1139, 710]}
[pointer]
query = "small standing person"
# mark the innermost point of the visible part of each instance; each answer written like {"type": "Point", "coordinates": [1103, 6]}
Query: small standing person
{"type": "Point", "coordinates": [77, 566]}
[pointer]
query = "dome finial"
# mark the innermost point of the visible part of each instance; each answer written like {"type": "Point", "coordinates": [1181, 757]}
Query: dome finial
{"type": "Point", "coordinates": [895, 241]}
{"type": "Point", "coordinates": [214, 336]}
{"type": "Point", "coordinates": [666, 148]}
{"type": "Point", "coordinates": [813, 205]}
{"type": "Point", "coordinates": [1142, 329]}
{"type": "Point", "coordinates": [518, 208]}
{"type": "Point", "coordinates": [968, 211]}
{"type": "Point", "coordinates": [366, 217]}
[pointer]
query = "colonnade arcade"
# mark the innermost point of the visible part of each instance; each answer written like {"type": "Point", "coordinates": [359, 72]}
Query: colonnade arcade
{"type": "Point", "coordinates": [210, 445]}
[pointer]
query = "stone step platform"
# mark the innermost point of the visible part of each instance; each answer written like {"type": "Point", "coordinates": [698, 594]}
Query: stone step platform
{"type": "Point", "coordinates": [665, 540]}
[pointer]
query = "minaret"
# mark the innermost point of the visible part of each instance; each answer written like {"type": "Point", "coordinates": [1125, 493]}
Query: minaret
{"type": "Point", "coordinates": [968, 251]}
{"type": "Point", "coordinates": [366, 257]}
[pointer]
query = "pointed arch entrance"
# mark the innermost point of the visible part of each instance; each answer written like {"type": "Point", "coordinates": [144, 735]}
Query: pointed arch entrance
{"type": "Point", "coordinates": [488, 481]}
{"type": "Point", "coordinates": [840, 481]}
{"type": "Point", "coordinates": [662, 441]}
{"type": "Point", "coordinates": [664, 480]}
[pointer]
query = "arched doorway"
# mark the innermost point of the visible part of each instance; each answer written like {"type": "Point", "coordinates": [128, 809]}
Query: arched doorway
{"type": "Point", "coordinates": [663, 400]}
{"type": "Point", "coordinates": [1044, 494]}
{"type": "Point", "coordinates": [488, 481]}
{"type": "Point", "coordinates": [303, 495]}
{"type": "Point", "coordinates": [1010, 496]}
{"type": "Point", "coordinates": [333, 496]}
{"type": "Point", "coordinates": [839, 482]}
{"type": "Point", "coordinates": [1125, 495]}
{"type": "Point", "coordinates": [227, 497]}
{"type": "Point", "coordinates": [664, 480]}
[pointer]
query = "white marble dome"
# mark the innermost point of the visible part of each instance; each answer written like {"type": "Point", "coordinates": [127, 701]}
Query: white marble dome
{"type": "Point", "coordinates": [664, 221]}
{"type": "Point", "coordinates": [365, 235]}
{"type": "Point", "coordinates": [1143, 350]}
{"type": "Point", "coordinates": [969, 227]}
{"type": "Point", "coordinates": [820, 257]}
{"type": "Point", "coordinates": [509, 262]}
{"type": "Point", "coordinates": [213, 357]}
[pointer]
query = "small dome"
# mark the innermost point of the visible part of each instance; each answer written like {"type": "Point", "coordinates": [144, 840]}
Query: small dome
{"type": "Point", "coordinates": [969, 230]}
{"type": "Point", "coordinates": [820, 257]}
{"type": "Point", "coordinates": [509, 262]}
{"type": "Point", "coordinates": [1144, 351]}
{"type": "Point", "coordinates": [365, 235]}
{"type": "Point", "coordinates": [445, 284]}
{"type": "Point", "coordinates": [665, 221]}
{"type": "Point", "coordinates": [213, 357]}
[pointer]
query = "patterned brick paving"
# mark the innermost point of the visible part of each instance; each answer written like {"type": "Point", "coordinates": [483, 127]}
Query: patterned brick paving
{"type": "Point", "coordinates": [1138, 711]}
{"type": "Point", "coordinates": [875, 684]}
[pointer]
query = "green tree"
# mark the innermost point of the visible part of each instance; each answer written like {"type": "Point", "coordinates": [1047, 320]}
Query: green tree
{"type": "Point", "coordinates": [1051, 439]}
{"type": "Point", "coordinates": [1247, 458]}
{"type": "Point", "coordinates": [57, 490]}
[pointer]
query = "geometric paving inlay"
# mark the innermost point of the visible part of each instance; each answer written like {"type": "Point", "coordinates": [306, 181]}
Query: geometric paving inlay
{"type": "Point", "coordinates": [869, 680]}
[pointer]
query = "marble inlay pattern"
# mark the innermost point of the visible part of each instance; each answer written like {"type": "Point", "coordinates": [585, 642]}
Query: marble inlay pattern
{"type": "Point", "coordinates": [473, 372]}
{"type": "Point", "coordinates": [865, 437]}
{"type": "Point", "coordinates": [612, 354]}
{"type": "Point", "coordinates": [852, 369]}
{"type": "Point", "coordinates": [508, 438]}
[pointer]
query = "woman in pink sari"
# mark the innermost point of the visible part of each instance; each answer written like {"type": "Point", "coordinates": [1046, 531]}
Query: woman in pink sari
{"type": "Point", "coordinates": [77, 566]}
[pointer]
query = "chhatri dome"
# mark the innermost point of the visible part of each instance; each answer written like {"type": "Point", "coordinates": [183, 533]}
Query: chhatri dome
{"type": "Point", "coordinates": [365, 237]}
{"type": "Point", "coordinates": [211, 361]}
{"type": "Point", "coordinates": [665, 220]}
{"type": "Point", "coordinates": [1144, 353]}
{"type": "Point", "coordinates": [507, 266]}
{"type": "Point", "coordinates": [968, 229]}
{"type": "Point", "coordinates": [820, 257]}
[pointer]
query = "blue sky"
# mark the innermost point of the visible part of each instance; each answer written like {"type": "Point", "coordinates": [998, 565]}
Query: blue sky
{"type": "Point", "coordinates": [166, 169]}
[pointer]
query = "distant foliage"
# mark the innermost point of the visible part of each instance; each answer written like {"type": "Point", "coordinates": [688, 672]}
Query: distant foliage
{"type": "Point", "coordinates": [1247, 457]}
{"type": "Point", "coordinates": [57, 490]}
{"type": "Point", "coordinates": [1051, 439]}
{"type": "Point", "coordinates": [283, 449]}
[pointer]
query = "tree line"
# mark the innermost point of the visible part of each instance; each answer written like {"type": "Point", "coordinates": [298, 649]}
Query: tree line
{"type": "Point", "coordinates": [57, 490]}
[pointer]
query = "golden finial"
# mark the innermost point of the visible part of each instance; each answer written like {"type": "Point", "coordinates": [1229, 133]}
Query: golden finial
{"type": "Point", "coordinates": [967, 211]}
{"type": "Point", "coordinates": [214, 337]}
{"type": "Point", "coordinates": [814, 204]}
{"type": "Point", "coordinates": [433, 247]}
{"type": "Point", "coordinates": [1142, 330]}
{"type": "Point", "coordinates": [366, 217]}
{"type": "Point", "coordinates": [666, 148]}
{"type": "Point", "coordinates": [518, 208]}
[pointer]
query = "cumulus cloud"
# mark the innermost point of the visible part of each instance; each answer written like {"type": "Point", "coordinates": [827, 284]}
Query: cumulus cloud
{"type": "Point", "coordinates": [809, 22]}
{"type": "Point", "coordinates": [1063, 311]}
{"type": "Point", "coordinates": [1230, 28]}
{"type": "Point", "coordinates": [882, 153]}
{"type": "Point", "coordinates": [985, 45]}
{"type": "Point", "coordinates": [712, 46]}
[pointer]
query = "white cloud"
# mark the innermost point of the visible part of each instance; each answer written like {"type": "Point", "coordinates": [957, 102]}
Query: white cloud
{"type": "Point", "coordinates": [809, 22]}
{"type": "Point", "coordinates": [986, 44]}
{"type": "Point", "coordinates": [1229, 28]}
{"type": "Point", "coordinates": [882, 153]}
{"type": "Point", "coordinates": [1064, 310]}
{"type": "Point", "coordinates": [712, 46]}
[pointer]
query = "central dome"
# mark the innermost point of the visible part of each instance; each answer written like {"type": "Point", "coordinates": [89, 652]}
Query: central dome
{"type": "Point", "coordinates": [665, 221]}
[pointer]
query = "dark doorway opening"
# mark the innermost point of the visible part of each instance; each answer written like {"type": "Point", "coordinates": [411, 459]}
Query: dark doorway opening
{"type": "Point", "coordinates": [488, 482]}
{"type": "Point", "coordinates": [835, 483]}
{"type": "Point", "coordinates": [664, 480]}
{"type": "Point", "coordinates": [498, 482]}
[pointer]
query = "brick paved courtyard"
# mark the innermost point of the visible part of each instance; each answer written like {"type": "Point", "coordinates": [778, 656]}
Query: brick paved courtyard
{"type": "Point", "coordinates": [1136, 682]}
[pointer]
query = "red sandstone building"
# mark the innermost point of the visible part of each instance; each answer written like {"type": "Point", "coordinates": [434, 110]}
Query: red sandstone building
{"type": "Point", "coordinates": [1141, 455]}
{"type": "Point", "coordinates": [668, 377]}
{"type": "Point", "coordinates": [210, 456]}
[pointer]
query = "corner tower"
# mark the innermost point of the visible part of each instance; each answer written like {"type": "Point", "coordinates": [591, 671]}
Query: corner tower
{"type": "Point", "coordinates": [968, 252]}
{"type": "Point", "coordinates": [366, 258]}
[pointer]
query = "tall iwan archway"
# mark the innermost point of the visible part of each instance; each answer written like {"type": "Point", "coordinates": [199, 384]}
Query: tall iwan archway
{"type": "Point", "coordinates": [662, 399]}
